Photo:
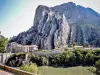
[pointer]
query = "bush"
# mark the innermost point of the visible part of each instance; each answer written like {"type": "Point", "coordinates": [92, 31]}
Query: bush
{"type": "Point", "coordinates": [75, 58]}
{"type": "Point", "coordinates": [68, 58]}
{"type": "Point", "coordinates": [16, 60]}
{"type": "Point", "coordinates": [64, 59]}
{"type": "Point", "coordinates": [29, 67]}
{"type": "Point", "coordinates": [78, 56]}
{"type": "Point", "coordinates": [97, 67]}
{"type": "Point", "coordinates": [55, 60]}
{"type": "Point", "coordinates": [72, 60]}
{"type": "Point", "coordinates": [97, 52]}
{"type": "Point", "coordinates": [89, 58]}
{"type": "Point", "coordinates": [39, 60]}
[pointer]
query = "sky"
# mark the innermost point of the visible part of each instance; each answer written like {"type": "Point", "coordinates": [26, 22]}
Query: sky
{"type": "Point", "coordinates": [18, 15]}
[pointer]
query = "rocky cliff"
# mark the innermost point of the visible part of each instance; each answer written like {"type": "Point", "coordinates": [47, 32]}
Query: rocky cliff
{"type": "Point", "coordinates": [56, 27]}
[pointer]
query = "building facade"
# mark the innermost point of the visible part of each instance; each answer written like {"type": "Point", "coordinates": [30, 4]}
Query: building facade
{"type": "Point", "coordinates": [15, 47]}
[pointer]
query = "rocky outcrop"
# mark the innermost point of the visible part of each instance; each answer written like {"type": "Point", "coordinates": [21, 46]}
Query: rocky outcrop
{"type": "Point", "coordinates": [56, 27]}
{"type": "Point", "coordinates": [50, 30]}
{"type": "Point", "coordinates": [84, 23]}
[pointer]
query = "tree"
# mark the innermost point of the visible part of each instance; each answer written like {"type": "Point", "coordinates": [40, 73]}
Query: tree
{"type": "Point", "coordinates": [79, 56]}
{"type": "Point", "coordinates": [89, 58]}
{"type": "Point", "coordinates": [3, 44]}
{"type": "Point", "coordinates": [39, 60]}
{"type": "Point", "coordinates": [97, 67]}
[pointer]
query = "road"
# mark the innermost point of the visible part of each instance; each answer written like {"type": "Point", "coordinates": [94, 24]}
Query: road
{"type": "Point", "coordinates": [47, 53]}
{"type": "Point", "coordinates": [2, 72]}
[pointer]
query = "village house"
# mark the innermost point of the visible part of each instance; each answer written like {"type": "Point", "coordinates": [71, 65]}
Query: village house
{"type": "Point", "coordinates": [15, 47]}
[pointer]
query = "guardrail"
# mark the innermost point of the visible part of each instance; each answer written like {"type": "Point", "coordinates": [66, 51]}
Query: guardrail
{"type": "Point", "coordinates": [14, 70]}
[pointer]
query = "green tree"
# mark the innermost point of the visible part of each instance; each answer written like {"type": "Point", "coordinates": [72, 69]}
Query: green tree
{"type": "Point", "coordinates": [3, 44]}
{"type": "Point", "coordinates": [89, 58]}
{"type": "Point", "coordinates": [72, 59]}
{"type": "Point", "coordinates": [39, 60]}
{"type": "Point", "coordinates": [78, 56]}
{"type": "Point", "coordinates": [97, 67]}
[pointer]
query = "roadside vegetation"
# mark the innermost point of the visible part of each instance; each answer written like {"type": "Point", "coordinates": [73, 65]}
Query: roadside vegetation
{"type": "Point", "coordinates": [16, 60]}
{"type": "Point", "coordinates": [65, 60]}
{"type": "Point", "coordinates": [75, 58]}
{"type": "Point", "coordinates": [3, 44]}
{"type": "Point", "coordinates": [97, 72]}
{"type": "Point", "coordinates": [29, 67]}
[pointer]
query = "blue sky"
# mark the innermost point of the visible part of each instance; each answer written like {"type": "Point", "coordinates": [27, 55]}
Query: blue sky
{"type": "Point", "coordinates": [18, 15]}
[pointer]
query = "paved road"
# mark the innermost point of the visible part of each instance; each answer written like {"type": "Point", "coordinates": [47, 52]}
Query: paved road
{"type": "Point", "coordinates": [5, 73]}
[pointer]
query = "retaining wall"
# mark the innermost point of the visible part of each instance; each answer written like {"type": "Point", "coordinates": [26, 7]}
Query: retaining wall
{"type": "Point", "coordinates": [14, 70]}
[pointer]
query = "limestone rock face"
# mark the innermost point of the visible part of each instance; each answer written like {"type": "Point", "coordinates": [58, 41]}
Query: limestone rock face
{"type": "Point", "coordinates": [50, 30]}
{"type": "Point", "coordinates": [84, 23]}
{"type": "Point", "coordinates": [56, 27]}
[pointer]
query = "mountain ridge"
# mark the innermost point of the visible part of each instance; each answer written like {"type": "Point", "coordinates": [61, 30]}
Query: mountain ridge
{"type": "Point", "coordinates": [58, 26]}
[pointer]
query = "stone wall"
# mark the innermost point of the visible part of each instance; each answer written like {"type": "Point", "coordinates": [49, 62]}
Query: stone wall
{"type": "Point", "coordinates": [15, 71]}
{"type": "Point", "coordinates": [4, 57]}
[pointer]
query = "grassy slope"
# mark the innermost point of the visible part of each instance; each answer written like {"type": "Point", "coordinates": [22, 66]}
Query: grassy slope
{"type": "Point", "coordinates": [45, 70]}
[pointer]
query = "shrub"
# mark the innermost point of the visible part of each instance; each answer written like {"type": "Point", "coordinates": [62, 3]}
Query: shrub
{"type": "Point", "coordinates": [68, 58]}
{"type": "Point", "coordinates": [72, 59]}
{"type": "Point", "coordinates": [39, 60]}
{"type": "Point", "coordinates": [64, 59]}
{"type": "Point", "coordinates": [55, 60]}
{"type": "Point", "coordinates": [89, 58]}
{"type": "Point", "coordinates": [75, 58]}
{"type": "Point", "coordinates": [97, 67]}
{"type": "Point", "coordinates": [29, 67]}
{"type": "Point", "coordinates": [15, 60]}
{"type": "Point", "coordinates": [78, 56]}
{"type": "Point", "coordinates": [97, 52]}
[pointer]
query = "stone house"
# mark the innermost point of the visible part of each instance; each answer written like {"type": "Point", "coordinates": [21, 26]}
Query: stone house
{"type": "Point", "coordinates": [15, 47]}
